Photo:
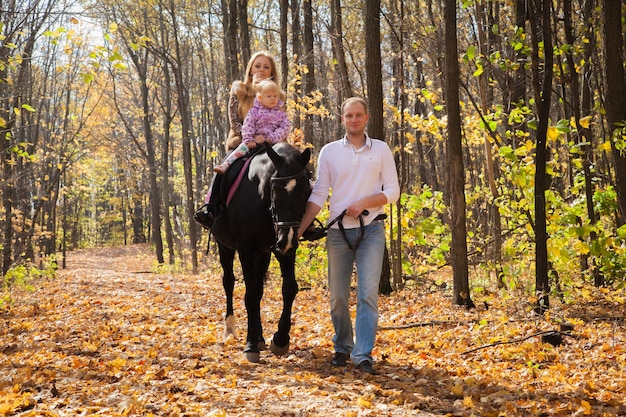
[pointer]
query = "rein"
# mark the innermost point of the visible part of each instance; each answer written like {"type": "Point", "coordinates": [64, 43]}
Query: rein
{"type": "Point", "coordinates": [321, 232]}
{"type": "Point", "coordinates": [339, 220]}
{"type": "Point", "coordinates": [361, 229]}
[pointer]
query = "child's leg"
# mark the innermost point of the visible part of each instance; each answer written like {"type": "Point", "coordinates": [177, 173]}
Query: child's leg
{"type": "Point", "coordinates": [240, 151]}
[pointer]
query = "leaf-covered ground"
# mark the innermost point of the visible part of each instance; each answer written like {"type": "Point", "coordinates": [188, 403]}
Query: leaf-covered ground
{"type": "Point", "coordinates": [109, 337]}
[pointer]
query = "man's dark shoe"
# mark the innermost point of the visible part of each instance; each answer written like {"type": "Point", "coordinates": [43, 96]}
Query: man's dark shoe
{"type": "Point", "coordinates": [366, 366]}
{"type": "Point", "coordinates": [340, 359]}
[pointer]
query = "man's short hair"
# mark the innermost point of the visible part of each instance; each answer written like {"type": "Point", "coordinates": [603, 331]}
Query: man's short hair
{"type": "Point", "coordinates": [354, 100]}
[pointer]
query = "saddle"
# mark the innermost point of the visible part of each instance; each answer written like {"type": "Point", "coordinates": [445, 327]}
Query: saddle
{"type": "Point", "coordinates": [226, 187]}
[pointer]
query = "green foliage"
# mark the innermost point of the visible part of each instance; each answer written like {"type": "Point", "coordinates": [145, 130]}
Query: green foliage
{"type": "Point", "coordinates": [23, 277]}
{"type": "Point", "coordinates": [311, 259]}
{"type": "Point", "coordinates": [166, 268]}
{"type": "Point", "coordinates": [425, 235]}
{"type": "Point", "coordinates": [312, 263]}
{"type": "Point", "coordinates": [425, 239]}
{"type": "Point", "coordinates": [619, 137]}
{"type": "Point", "coordinates": [572, 238]}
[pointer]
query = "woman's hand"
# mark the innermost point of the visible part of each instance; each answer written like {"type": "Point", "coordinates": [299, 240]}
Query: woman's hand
{"type": "Point", "coordinates": [257, 78]}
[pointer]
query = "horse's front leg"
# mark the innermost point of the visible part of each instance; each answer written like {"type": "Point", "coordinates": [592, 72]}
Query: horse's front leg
{"type": "Point", "coordinates": [253, 275]}
{"type": "Point", "coordinates": [262, 266]}
{"type": "Point", "coordinates": [227, 258]}
{"type": "Point", "coordinates": [280, 341]}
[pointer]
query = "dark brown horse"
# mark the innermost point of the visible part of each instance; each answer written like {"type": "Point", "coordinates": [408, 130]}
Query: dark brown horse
{"type": "Point", "coordinates": [262, 218]}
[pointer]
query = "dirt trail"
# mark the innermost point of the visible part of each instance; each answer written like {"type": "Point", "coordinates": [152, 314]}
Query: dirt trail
{"type": "Point", "coordinates": [109, 337]}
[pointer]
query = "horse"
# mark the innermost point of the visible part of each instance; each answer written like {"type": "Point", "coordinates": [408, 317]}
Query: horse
{"type": "Point", "coordinates": [262, 217]}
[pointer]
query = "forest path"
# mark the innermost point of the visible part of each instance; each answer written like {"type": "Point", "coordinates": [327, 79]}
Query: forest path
{"type": "Point", "coordinates": [108, 336]}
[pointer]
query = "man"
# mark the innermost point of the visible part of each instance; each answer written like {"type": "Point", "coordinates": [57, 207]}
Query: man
{"type": "Point", "coordinates": [362, 175]}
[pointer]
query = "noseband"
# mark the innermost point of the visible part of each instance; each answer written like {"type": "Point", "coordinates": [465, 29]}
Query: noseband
{"type": "Point", "coordinates": [277, 181]}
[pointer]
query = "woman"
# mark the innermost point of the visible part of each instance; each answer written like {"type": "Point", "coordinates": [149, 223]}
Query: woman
{"type": "Point", "coordinates": [261, 66]}
{"type": "Point", "coordinates": [267, 121]}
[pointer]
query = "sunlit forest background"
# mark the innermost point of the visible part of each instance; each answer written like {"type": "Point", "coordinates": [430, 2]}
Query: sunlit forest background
{"type": "Point", "coordinates": [114, 112]}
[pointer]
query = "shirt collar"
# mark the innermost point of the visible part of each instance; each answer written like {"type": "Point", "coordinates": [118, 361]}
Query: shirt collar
{"type": "Point", "coordinates": [367, 145]}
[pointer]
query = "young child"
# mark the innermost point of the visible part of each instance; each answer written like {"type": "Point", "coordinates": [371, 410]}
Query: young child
{"type": "Point", "coordinates": [266, 122]}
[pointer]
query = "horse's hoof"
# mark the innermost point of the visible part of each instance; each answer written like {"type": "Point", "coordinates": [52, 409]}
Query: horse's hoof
{"type": "Point", "coordinates": [254, 357]}
{"type": "Point", "coordinates": [262, 345]}
{"type": "Point", "coordinates": [279, 350]}
{"type": "Point", "coordinates": [229, 328]}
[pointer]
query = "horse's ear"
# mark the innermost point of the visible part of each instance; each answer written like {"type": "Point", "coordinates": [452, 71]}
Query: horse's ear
{"type": "Point", "coordinates": [306, 156]}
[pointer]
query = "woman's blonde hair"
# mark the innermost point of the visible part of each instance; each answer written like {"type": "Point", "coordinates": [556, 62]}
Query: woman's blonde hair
{"type": "Point", "coordinates": [247, 78]}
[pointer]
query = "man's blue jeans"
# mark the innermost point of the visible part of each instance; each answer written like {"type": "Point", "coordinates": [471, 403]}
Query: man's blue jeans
{"type": "Point", "coordinates": [369, 262]}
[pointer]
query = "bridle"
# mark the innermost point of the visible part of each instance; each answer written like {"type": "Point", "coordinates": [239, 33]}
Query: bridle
{"type": "Point", "coordinates": [281, 181]}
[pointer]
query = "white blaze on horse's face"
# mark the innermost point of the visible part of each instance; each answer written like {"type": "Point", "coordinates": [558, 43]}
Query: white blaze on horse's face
{"type": "Point", "coordinates": [290, 185]}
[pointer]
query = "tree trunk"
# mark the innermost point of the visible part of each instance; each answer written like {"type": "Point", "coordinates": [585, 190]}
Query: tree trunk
{"type": "Point", "coordinates": [375, 89]}
{"type": "Point", "coordinates": [182, 90]}
{"type": "Point", "coordinates": [284, 30]}
{"type": "Point", "coordinates": [581, 107]}
{"type": "Point", "coordinates": [485, 90]}
{"type": "Point", "coordinates": [10, 101]}
{"type": "Point", "coordinates": [139, 235]}
{"type": "Point", "coordinates": [309, 62]}
{"type": "Point", "coordinates": [229, 23]}
{"type": "Point", "coordinates": [244, 32]}
{"type": "Point", "coordinates": [373, 70]}
{"type": "Point", "coordinates": [517, 92]}
{"type": "Point", "coordinates": [341, 79]}
{"type": "Point", "coordinates": [297, 53]}
{"type": "Point", "coordinates": [539, 13]}
{"type": "Point", "coordinates": [384, 285]}
{"type": "Point", "coordinates": [455, 162]}
{"type": "Point", "coordinates": [165, 146]}
{"type": "Point", "coordinates": [7, 184]}
{"type": "Point", "coordinates": [398, 138]}
{"type": "Point", "coordinates": [615, 100]}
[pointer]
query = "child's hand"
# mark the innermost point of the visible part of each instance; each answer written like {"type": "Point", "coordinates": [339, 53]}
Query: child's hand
{"type": "Point", "coordinates": [259, 139]}
{"type": "Point", "coordinates": [251, 145]}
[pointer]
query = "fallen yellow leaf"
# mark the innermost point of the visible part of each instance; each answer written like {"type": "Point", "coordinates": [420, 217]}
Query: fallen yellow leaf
{"type": "Point", "coordinates": [586, 407]}
{"type": "Point", "coordinates": [362, 402]}
{"type": "Point", "coordinates": [457, 388]}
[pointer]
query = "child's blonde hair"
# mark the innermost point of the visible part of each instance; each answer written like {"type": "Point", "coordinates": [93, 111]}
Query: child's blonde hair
{"type": "Point", "coordinates": [268, 86]}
